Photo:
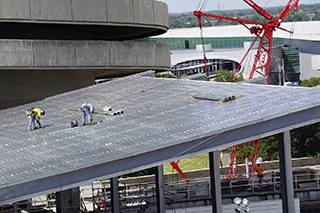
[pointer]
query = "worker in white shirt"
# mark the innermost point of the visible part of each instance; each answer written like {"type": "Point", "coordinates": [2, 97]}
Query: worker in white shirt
{"type": "Point", "coordinates": [87, 110]}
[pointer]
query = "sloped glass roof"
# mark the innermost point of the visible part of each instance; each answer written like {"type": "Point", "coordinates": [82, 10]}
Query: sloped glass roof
{"type": "Point", "coordinates": [161, 121]}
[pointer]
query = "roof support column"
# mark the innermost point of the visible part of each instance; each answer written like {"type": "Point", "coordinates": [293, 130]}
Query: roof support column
{"type": "Point", "coordinates": [68, 201]}
{"type": "Point", "coordinates": [161, 205]}
{"type": "Point", "coordinates": [287, 193]}
{"type": "Point", "coordinates": [115, 194]}
{"type": "Point", "coordinates": [15, 208]}
{"type": "Point", "coordinates": [216, 198]}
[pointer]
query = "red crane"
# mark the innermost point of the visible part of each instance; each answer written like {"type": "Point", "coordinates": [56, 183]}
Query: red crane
{"type": "Point", "coordinates": [176, 167]}
{"type": "Point", "coordinates": [261, 66]}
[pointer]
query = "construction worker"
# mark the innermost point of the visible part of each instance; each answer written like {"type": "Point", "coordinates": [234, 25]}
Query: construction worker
{"type": "Point", "coordinates": [34, 115]}
{"type": "Point", "coordinates": [87, 110]}
{"type": "Point", "coordinates": [259, 170]}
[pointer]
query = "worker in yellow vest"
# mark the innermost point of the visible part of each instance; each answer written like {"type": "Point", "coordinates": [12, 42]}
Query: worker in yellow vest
{"type": "Point", "coordinates": [34, 115]}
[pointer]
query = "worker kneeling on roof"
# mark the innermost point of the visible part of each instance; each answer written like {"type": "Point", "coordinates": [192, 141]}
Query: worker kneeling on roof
{"type": "Point", "coordinates": [87, 110]}
{"type": "Point", "coordinates": [34, 115]}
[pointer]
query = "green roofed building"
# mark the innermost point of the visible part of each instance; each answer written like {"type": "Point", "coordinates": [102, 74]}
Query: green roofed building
{"type": "Point", "coordinates": [291, 55]}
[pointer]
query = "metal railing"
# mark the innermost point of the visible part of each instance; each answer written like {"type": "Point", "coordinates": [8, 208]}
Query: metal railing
{"type": "Point", "coordinates": [143, 195]}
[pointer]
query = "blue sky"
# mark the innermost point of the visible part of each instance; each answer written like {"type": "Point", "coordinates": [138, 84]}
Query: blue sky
{"type": "Point", "coordinates": [179, 6]}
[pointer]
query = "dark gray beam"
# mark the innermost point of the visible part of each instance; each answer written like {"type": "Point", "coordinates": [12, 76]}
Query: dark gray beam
{"type": "Point", "coordinates": [161, 206]}
{"type": "Point", "coordinates": [15, 208]}
{"type": "Point", "coordinates": [115, 195]}
{"type": "Point", "coordinates": [216, 197]}
{"type": "Point", "coordinates": [287, 193]}
{"type": "Point", "coordinates": [68, 201]}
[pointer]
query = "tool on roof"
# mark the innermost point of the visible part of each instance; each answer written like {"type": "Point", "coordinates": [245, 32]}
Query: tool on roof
{"type": "Point", "coordinates": [109, 111]}
{"type": "Point", "coordinates": [117, 112]}
{"type": "Point", "coordinates": [218, 98]}
{"type": "Point", "coordinates": [74, 123]}
{"type": "Point", "coordinates": [107, 108]}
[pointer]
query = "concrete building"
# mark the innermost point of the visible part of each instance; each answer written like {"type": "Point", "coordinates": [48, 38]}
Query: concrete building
{"type": "Point", "coordinates": [49, 47]}
{"type": "Point", "coordinates": [229, 45]}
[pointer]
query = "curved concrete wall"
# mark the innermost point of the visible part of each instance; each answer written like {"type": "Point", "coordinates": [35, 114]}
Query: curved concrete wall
{"type": "Point", "coordinates": [118, 11]}
{"type": "Point", "coordinates": [54, 46]}
{"type": "Point", "coordinates": [94, 56]}
{"type": "Point", "coordinates": [32, 70]}
{"type": "Point", "coordinates": [151, 17]}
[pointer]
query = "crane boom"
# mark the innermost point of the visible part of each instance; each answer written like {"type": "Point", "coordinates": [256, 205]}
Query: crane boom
{"type": "Point", "coordinates": [199, 14]}
{"type": "Point", "coordinates": [261, 11]}
{"type": "Point", "coordinates": [293, 4]}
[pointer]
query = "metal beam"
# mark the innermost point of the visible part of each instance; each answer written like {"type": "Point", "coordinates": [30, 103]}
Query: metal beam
{"type": "Point", "coordinates": [68, 201]}
{"type": "Point", "coordinates": [287, 193]}
{"type": "Point", "coordinates": [161, 206]}
{"type": "Point", "coordinates": [115, 195]}
{"type": "Point", "coordinates": [15, 208]}
{"type": "Point", "coordinates": [216, 197]}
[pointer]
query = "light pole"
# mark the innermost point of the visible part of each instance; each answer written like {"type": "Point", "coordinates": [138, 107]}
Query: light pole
{"type": "Point", "coordinates": [280, 65]}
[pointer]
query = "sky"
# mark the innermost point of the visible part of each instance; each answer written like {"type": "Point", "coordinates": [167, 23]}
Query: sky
{"type": "Point", "coordinates": [179, 6]}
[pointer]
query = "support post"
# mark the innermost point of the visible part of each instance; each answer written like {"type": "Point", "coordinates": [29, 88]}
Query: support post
{"type": "Point", "coordinates": [15, 208]}
{"type": "Point", "coordinates": [115, 195]}
{"type": "Point", "coordinates": [215, 182]}
{"type": "Point", "coordinates": [161, 206]}
{"type": "Point", "coordinates": [68, 201]}
{"type": "Point", "coordinates": [287, 193]}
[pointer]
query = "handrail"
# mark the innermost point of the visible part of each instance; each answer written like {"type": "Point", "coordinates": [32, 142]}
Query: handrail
{"type": "Point", "coordinates": [179, 190]}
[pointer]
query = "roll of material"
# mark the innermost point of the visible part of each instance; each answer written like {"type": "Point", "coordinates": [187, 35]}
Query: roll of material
{"type": "Point", "coordinates": [107, 109]}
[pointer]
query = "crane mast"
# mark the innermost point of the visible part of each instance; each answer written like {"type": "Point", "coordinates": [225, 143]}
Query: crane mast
{"type": "Point", "coordinates": [261, 66]}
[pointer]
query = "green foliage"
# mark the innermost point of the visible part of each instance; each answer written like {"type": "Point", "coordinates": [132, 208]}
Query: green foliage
{"type": "Point", "coordinates": [225, 75]}
{"type": "Point", "coordinates": [268, 148]}
{"type": "Point", "coordinates": [167, 75]}
{"type": "Point", "coordinates": [188, 20]}
{"type": "Point", "coordinates": [305, 141]}
{"type": "Point", "coordinates": [313, 81]}
{"type": "Point", "coordinates": [193, 163]}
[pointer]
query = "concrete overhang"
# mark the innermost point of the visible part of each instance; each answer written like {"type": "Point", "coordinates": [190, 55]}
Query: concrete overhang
{"type": "Point", "coordinates": [161, 123]}
{"type": "Point", "coordinates": [83, 20]}
{"type": "Point", "coordinates": [103, 58]}
{"type": "Point", "coordinates": [78, 31]}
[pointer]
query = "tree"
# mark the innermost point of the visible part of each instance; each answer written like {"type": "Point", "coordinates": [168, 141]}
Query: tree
{"type": "Point", "coordinates": [167, 75]}
{"type": "Point", "coordinates": [225, 75]}
{"type": "Point", "coordinates": [312, 82]}
{"type": "Point", "coordinates": [268, 148]}
{"type": "Point", "coordinates": [305, 141]}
